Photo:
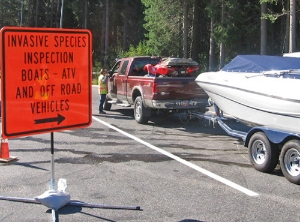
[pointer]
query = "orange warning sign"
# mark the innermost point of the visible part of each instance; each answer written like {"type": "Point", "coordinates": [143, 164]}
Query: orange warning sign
{"type": "Point", "coordinates": [46, 80]}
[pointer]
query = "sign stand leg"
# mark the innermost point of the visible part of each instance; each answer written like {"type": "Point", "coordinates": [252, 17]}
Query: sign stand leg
{"type": "Point", "coordinates": [52, 180]}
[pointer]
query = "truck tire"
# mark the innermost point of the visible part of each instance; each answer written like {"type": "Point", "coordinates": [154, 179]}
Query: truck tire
{"type": "Point", "coordinates": [290, 161]}
{"type": "Point", "coordinates": [263, 154]}
{"type": "Point", "coordinates": [141, 114]}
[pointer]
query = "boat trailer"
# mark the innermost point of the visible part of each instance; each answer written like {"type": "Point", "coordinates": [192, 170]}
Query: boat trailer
{"type": "Point", "coordinates": [267, 147]}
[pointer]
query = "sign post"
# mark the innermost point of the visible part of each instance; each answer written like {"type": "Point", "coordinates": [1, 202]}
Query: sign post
{"type": "Point", "coordinates": [46, 80]}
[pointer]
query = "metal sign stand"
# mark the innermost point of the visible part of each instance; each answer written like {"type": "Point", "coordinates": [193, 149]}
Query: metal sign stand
{"type": "Point", "coordinates": [52, 180]}
{"type": "Point", "coordinates": [71, 202]}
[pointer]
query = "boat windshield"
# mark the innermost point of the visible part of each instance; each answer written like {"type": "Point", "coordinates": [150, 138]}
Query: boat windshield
{"type": "Point", "coordinates": [292, 74]}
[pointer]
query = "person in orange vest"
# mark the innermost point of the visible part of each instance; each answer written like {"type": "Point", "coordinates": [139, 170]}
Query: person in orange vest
{"type": "Point", "coordinates": [102, 89]}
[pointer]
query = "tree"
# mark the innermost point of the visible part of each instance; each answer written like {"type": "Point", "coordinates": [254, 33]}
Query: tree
{"type": "Point", "coordinates": [284, 20]}
{"type": "Point", "coordinates": [292, 33]}
{"type": "Point", "coordinates": [185, 29]}
{"type": "Point", "coordinates": [163, 23]}
{"type": "Point", "coordinates": [196, 33]}
{"type": "Point", "coordinates": [222, 44]}
{"type": "Point", "coordinates": [235, 28]}
{"type": "Point", "coordinates": [106, 39]}
{"type": "Point", "coordinates": [212, 42]}
{"type": "Point", "coordinates": [263, 30]}
{"type": "Point", "coordinates": [9, 13]}
{"type": "Point", "coordinates": [165, 33]}
{"type": "Point", "coordinates": [125, 26]}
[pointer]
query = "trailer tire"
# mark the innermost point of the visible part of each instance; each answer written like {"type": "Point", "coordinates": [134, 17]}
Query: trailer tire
{"type": "Point", "coordinates": [263, 154]}
{"type": "Point", "coordinates": [141, 113]}
{"type": "Point", "coordinates": [290, 161]}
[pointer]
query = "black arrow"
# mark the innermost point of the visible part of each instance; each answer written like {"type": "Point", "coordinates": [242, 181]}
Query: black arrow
{"type": "Point", "coordinates": [57, 119]}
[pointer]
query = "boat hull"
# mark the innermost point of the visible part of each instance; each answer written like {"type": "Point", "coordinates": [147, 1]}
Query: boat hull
{"type": "Point", "coordinates": [255, 98]}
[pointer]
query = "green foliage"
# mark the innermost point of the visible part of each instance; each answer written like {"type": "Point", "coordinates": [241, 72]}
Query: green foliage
{"type": "Point", "coordinates": [140, 50]}
{"type": "Point", "coordinates": [271, 17]}
{"type": "Point", "coordinates": [163, 22]}
{"type": "Point", "coordinates": [96, 72]}
{"type": "Point", "coordinates": [9, 15]}
{"type": "Point", "coordinates": [97, 67]}
{"type": "Point", "coordinates": [268, 1]}
{"type": "Point", "coordinates": [240, 28]}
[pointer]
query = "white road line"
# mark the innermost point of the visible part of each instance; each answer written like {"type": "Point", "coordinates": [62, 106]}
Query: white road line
{"type": "Point", "coordinates": [191, 165]}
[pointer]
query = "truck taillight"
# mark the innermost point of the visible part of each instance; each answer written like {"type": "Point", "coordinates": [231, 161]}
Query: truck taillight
{"type": "Point", "coordinates": [192, 69]}
{"type": "Point", "coordinates": [154, 88]}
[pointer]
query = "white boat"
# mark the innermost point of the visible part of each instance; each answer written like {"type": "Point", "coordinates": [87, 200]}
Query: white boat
{"type": "Point", "coordinates": [258, 90]}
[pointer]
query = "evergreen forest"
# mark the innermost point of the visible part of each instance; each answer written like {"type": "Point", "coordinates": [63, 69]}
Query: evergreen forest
{"type": "Point", "coordinates": [211, 32]}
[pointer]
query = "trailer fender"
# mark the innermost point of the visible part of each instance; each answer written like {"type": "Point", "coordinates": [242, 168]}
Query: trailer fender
{"type": "Point", "coordinates": [274, 135]}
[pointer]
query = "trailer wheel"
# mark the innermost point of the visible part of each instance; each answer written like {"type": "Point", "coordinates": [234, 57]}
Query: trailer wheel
{"type": "Point", "coordinates": [263, 154]}
{"type": "Point", "coordinates": [141, 114]}
{"type": "Point", "coordinates": [290, 161]}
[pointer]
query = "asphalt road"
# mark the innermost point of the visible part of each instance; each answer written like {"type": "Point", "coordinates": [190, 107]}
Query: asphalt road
{"type": "Point", "coordinates": [174, 169]}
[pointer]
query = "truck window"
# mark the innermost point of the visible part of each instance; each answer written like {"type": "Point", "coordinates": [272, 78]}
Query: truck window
{"type": "Point", "coordinates": [116, 67]}
{"type": "Point", "coordinates": [124, 67]}
{"type": "Point", "coordinates": [138, 66]}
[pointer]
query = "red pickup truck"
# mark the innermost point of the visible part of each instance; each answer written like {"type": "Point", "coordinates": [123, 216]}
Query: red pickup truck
{"type": "Point", "coordinates": [169, 87]}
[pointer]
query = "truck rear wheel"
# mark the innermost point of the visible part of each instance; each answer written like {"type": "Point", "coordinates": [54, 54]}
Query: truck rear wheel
{"type": "Point", "coordinates": [141, 114]}
{"type": "Point", "coordinates": [290, 161]}
{"type": "Point", "coordinates": [263, 154]}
